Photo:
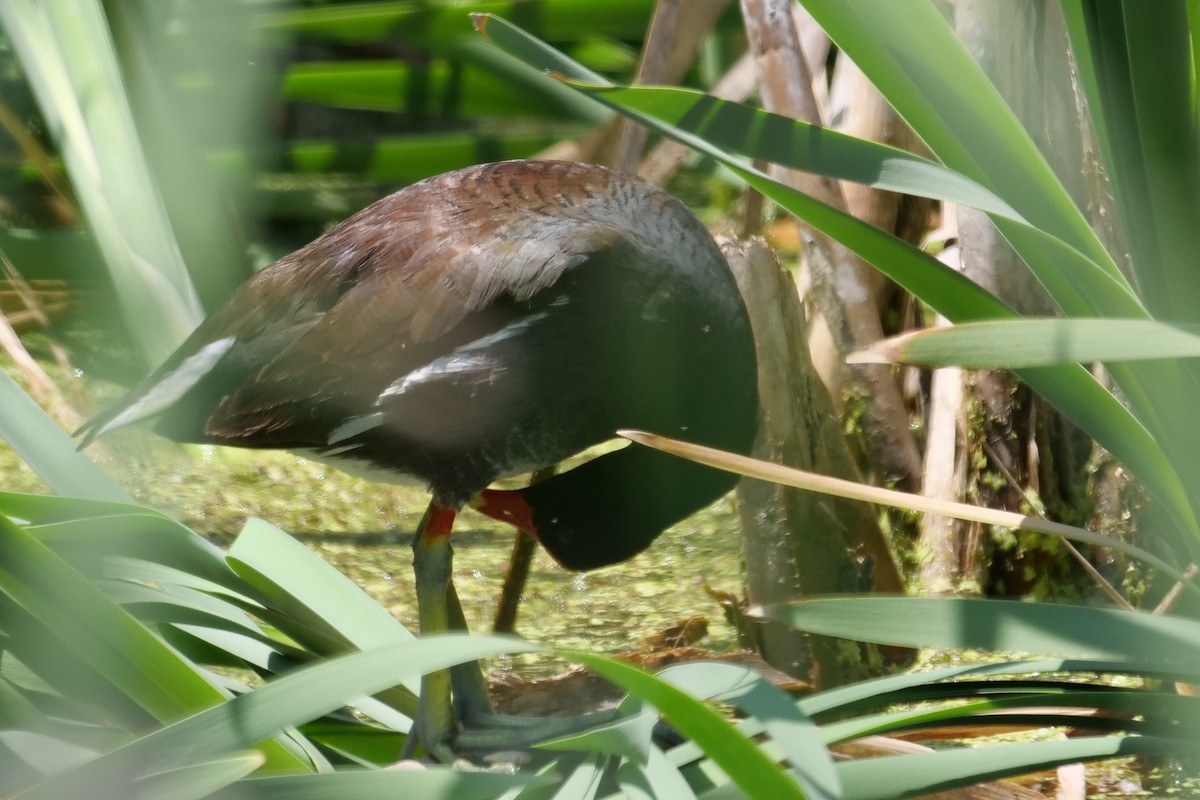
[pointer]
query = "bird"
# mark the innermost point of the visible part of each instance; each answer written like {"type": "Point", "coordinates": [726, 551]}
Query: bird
{"type": "Point", "coordinates": [474, 325]}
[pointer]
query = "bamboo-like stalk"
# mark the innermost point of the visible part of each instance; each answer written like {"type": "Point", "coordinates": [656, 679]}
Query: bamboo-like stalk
{"type": "Point", "coordinates": [838, 487]}
{"type": "Point", "coordinates": [843, 289]}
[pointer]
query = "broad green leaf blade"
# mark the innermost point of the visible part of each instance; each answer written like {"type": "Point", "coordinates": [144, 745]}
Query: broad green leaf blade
{"type": "Point", "coordinates": [929, 685]}
{"type": "Point", "coordinates": [742, 129]}
{"type": "Point", "coordinates": [754, 133]}
{"type": "Point", "coordinates": [364, 744]}
{"type": "Point", "coordinates": [85, 533]}
{"type": "Point", "coordinates": [795, 734]}
{"type": "Point", "coordinates": [1013, 344]}
{"type": "Point", "coordinates": [437, 26]}
{"type": "Point", "coordinates": [96, 654]}
{"type": "Point", "coordinates": [310, 590]}
{"type": "Point", "coordinates": [81, 627]}
{"type": "Point", "coordinates": [753, 771]}
{"type": "Point", "coordinates": [913, 58]}
{"type": "Point", "coordinates": [40, 753]}
{"type": "Point", "coordinates": [480, 81]}
{"type": "Point", "coordinates": [529, 49]}
{"type": "Point", "coordinates": [197, 781]}
{"type": "Point", "coordinates": [583, 780]}
{"type": "Point", "coordinates": [48, 450]}
{"type": "Point", "coordinates": [893, 777]}
{"type": "Point", "coordinates": [1000, 625]}
{"type": "Point", "coordinates": [1162, 713]}
{"type": "Point", "coordinates": [657, 778]}
{"type": "Point", "coordinates": [813, 149]}
{"type": "Point", "coordinates": [317, 606]}
{"type": "Point", "coordinates": [1135, 67]}
{"type": "Point", "coordinates": [71, 64]}
{"type": "Point", "coordinates": [247, 720]}
{"type": "Point", "coordinates": [912, 687]}
{"type": "Point", "coordinates": [432, 782]}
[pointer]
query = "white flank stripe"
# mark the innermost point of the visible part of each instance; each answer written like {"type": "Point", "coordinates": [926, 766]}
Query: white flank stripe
{"type": "Point", "coordinates": [174, 386]}
{"type": "Point", "coordinates": [336, 451]}
{"type": "Point", "coordinates": [353, 427]}
{"type": "Point", "coordinates": [464, 358]}
{"type": "Point", "coordinates": [507, 332]}
{"type": "Point", "coordinates": [447, 365]}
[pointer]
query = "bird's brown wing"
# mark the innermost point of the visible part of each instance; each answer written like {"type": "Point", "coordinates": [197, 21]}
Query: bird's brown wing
{"type": "Point", "coordinates": [430, 284]}
{"type": "Point", "coordinates": [324, 329]}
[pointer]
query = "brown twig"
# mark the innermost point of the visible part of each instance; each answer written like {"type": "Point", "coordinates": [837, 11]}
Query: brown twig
{"type": "Point", "coordinates": [1106, 587]}
{"type": "Point", "coordinates": [34, 310]}
{"type": "Point", "coordinates": [1171, 597]}
{"type": "Point", "coordinates": [652, 69]}
{"type": "Point", "coordinates": [38, 156]}
{"type": "Point", "coordinates": [519, 563]}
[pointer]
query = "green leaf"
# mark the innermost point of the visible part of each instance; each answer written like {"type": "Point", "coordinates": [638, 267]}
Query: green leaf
{"type": "Point", "coordinates": [754, 133]}
{"type": "Point", "coordinates": [85, 532]}
{"type": "Point", "coordinates": [197, 781]}
{"type": "Point", "coordinates": [656, 778]}
{"type": "Point", "coordinates": [998, 704]}
{"type": "Point", "coordinates": [87, 641]}
{"type": "Point", "coordinates": [1134, 63]}
{"type": "Point", "coordinates": [1014, 344]}
{"type": "Point", "coordinates": [428, 782]}
{"type": "Point", "coordinates": [294, 582]}
{"type": "Point", "coordinates": [436, 26]}
{"type": "Point", "coordinates": [1001, 625]}
{"type": "Point", "coordinates": [506, 90]}
{"type": "Point", "coordinates": [910, 54]}
{"type": "Point", "coordinates": [48, 450]}
{"type": "Point", "coordinates": [511, 39]}
{"type": "Point", "coordinates": [583, 780]}
{"type": "Point", "coordinates": [247, 720]}
{"type": "Point", "coordinates": [71, 63]}
{"type": "Point", "coordinates": [798, 738]}
{"type": "Point", "coordinates": [894, 777]}
{"type": "Point", "coordinates": [753, 771]}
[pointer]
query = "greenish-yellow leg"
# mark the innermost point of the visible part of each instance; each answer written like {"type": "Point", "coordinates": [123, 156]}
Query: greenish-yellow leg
{"type": "Point", "coordinates": [459, 695]}
{"type": "Point", "coordinates": [435, 724]}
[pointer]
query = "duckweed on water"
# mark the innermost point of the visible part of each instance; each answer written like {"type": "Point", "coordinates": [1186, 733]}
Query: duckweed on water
{"type": "Point", "coordinates": [364, 530]}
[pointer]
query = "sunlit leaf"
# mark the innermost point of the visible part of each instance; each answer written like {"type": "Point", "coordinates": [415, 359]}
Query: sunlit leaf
{"type": "Point", "coordinates": [1036, 343]}
{"type": "Point", "coordinates": [44, 446]}
{"type": "Point", "coordinates": [755, 773]}
{"type": "Point", "coordinates": [1000, 625]}
{"type": "Point", "coordinates": [246, 721]}
{"type": "Point", "coordinates": [890, 777]}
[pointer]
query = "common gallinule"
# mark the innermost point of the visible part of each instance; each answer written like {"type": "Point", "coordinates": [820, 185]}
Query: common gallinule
{"type": "Point", "coordinates": [478, 324]}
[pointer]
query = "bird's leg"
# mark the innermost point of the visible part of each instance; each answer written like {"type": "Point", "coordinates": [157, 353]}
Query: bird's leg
{"type": "Point", "coordinates": [439, 610]}
{"type": "Point", "coordinates": [435, 724]}
{"type": "Point", "coordinates": [524, 548]}
{"type": "Point", "coordinates": [471, 701]}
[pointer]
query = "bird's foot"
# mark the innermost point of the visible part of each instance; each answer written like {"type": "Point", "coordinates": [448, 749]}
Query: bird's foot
{"type": "Point", "coordinates": [455, 716]}
{"type": "Point", "coordinates": [484, 736]}
{"type": "Point", "coordinates": [493, 732]}
{"type": "Point", "coordinates": [469, 728]}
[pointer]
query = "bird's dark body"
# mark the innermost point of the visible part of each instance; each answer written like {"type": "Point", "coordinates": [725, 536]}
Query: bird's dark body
{"type": "Point", "coordinates": [482, 323]}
